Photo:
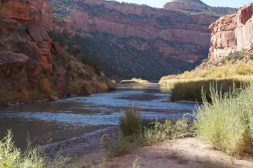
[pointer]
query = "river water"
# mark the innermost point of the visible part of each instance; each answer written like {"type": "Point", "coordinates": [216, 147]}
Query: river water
{"type": "Point", "coordinates": [61, 120]}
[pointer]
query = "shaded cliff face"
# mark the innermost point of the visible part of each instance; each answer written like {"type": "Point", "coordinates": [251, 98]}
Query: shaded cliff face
{"type": "Point", "coordinates": [32, 65]}
{"type": "Point", "coordinates": [231, 33]}
{"type": "Point", "coordinates": [136, 41]}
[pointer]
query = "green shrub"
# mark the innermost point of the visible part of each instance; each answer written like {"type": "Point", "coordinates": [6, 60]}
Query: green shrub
{"type": "Point", "coordinates": [236, 55]}
{"type": "Point", "coordinates": [12, 157]}
{"type": "Point", "coordinates": [251, 56]}
{"type": "Point", "coordinates": [130, 123]}
{"type": "Point", "coordinates": [227, 122]}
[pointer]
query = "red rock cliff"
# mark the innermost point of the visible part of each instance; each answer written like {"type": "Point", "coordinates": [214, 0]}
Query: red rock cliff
{"type": "Point", "coordinates": [231, 33]}
{"type": "Point", "coordinates": [192, 28]}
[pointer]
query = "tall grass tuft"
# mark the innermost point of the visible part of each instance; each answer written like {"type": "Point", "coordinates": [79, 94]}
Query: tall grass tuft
{"type": "Point", "coordinates": [12, 157]}
{"type": "Point", "coordinates": [227, 122]}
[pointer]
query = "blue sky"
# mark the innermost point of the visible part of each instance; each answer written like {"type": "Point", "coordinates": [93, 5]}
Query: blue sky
{"type": "Point", "coordinates": [160, 3]}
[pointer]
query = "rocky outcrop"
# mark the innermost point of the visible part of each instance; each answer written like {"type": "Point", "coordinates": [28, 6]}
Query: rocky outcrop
{"type": "Point", "coordinates": [25, 10]}
{"type": "Point", "coordinates": [185, 5]}
{"type": "Point", "coordinates": [130, 32]}
{"type": "Point", "coordinates": [11, 64]}
{"type": "Point", "coordinates": [231, 33]}
{"type": "Point", "coordinates": [40, 49]}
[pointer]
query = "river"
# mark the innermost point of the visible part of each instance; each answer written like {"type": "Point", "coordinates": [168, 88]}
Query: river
{"type": "Point", "coordinates": [50, 122]}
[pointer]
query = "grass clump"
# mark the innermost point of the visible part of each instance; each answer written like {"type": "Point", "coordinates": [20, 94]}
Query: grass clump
{"type": "Point", "coordinates": [122, 145]}
{"type": "Point", "coordinates": [136, 132]}
{"type": "Point", "coordinates": [12, 157]}
{"type": "Point", "coordinates": [227, 122]}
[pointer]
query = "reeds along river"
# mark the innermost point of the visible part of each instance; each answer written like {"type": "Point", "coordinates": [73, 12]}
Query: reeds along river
{"type": "Point", "coordinates": [57, 121]}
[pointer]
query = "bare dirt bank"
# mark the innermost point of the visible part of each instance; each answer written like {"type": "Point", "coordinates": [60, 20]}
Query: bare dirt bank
{"type": "Point", "coordinates": [181, 153]}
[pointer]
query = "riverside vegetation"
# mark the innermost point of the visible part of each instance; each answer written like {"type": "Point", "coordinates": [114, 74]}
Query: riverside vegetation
{"type": "Point", "coordinates": [231, 134]}
{"type": "Point", "coordinates": [227, 122]}
{"type": "Point", "coordinates": [137, 132]}
{"type": "Point", "coordinates": [191, 84]}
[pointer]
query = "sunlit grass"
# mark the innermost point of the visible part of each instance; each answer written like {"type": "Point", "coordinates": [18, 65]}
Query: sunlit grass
{"type": "Point", "coordinates": [235, 71]}
{"type": "Point", "coordinates": [227, 122]}
{"type": "Point", "coordinates": [135, 80]}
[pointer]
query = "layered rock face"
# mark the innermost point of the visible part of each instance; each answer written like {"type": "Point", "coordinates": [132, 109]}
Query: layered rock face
{"type": "Point", "coordinates": [185, 5]}
{"type": "Point", "coordinates": [231, 33]}
{"type": "Point", "coordinates": [161, 38]}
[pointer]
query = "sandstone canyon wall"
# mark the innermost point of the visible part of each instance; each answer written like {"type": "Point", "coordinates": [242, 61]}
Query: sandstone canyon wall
{"type": "Point", "coordinates": [231, 33]}
{"type": "Point", "coordinates": [136, 41]}
{"type": "Point", "coordinates": [32, 65]}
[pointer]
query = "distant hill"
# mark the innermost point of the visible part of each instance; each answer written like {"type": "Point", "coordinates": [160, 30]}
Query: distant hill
{"type": "Point", "coordinates": [198, 7]}
{"type": "Point", "coordinates": [190, 1]}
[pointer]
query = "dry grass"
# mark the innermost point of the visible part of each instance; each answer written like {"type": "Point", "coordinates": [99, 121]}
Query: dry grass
{"type": "Point", "coordinates": [99, 87]}
{"type": "Point", "coordinates": [45, 86]}
{"type": "Point", "coordinates": [135, 80]}
{"type": "Point", "coordinates": [239, 70]}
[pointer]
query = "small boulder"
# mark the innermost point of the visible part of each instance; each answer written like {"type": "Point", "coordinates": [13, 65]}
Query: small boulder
{"type": "Point", "coordinates": [111, 84]}
{"type": "Point", "coordinates": [53, 98]}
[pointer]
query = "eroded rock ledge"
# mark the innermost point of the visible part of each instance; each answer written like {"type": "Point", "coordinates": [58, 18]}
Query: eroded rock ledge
{"type": "Point", "coordinates": [231, 33]}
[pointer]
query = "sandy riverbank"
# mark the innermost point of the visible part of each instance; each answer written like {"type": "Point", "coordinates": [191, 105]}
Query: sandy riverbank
{"type": "Point", "coordinates": [181, 153]}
